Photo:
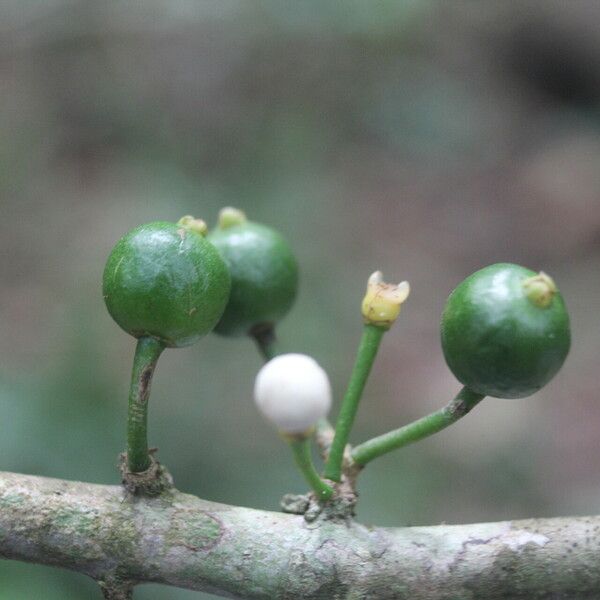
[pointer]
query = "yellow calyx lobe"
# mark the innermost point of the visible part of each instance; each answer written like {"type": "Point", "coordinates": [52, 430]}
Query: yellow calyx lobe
{"type": "Point", "coordinates": [229, 216]}
{"type": "Point", "coordinates": [382, 302]}
{"type": "Point", "coordinates": [540, 289]}
{"type": "Point", "coordinates": [193, 224]}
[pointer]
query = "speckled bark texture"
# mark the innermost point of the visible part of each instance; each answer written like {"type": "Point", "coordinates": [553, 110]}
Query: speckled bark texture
{"type": "Point", "coordinates": [180, 540]}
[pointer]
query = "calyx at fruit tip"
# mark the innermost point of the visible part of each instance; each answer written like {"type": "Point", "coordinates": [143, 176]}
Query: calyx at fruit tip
{"type": "Point", "coordinates": [229, 216]}
{"type": "Point", "coordinates": [193, 224]}
{"type": "Point", "coordinates": [540, 289]}
{"type": "Point", "coordinates": [382, 301]}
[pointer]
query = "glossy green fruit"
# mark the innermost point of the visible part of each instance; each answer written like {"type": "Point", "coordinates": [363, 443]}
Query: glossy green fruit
{"type": "Point", "coordinates": [505, 331]}
{"type": "Point", "coordinates": [166, 281]}
{"type": "Point", "coordinates": [264, 274]}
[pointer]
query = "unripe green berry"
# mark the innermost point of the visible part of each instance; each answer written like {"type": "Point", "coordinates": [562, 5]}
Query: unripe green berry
{"type": "Point", "coordinates": [505, 331]}
{"type": "Point", "coordinates": [165, 280]}
{"type": "Point", "coordinates": [264, 273]}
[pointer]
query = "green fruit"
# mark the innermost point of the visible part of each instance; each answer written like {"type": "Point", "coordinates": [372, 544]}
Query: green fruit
{"type": "Point", "coordinates": [165, 280]}
{"type": "Point", "coordinates": [505, 331]}
{"type": "Point", "coordinates": [264, 274]}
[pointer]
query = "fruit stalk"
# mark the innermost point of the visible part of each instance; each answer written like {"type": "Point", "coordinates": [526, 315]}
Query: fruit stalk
{"type": "Point", "coordinates": [300, 446]}
{"type": "Point", "coordinates": [462, 404]}
{"type": "Point", "coordinates": [147, 352]}
{"type": "Point", "coordinates": [266, 341]}
{"type": "Point", "coordinates": [367, 351]}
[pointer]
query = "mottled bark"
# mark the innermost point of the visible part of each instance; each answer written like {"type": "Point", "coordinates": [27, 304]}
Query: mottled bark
{"type": "Point", "coordinates": [180, 540]}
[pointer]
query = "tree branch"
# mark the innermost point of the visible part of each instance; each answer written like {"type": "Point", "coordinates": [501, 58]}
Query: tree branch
{"type": "Point", "coordinates": [180, 540]}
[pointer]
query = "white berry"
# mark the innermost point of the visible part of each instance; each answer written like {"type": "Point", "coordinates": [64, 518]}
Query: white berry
{"type": "Point", "coordinates": [293, 392]}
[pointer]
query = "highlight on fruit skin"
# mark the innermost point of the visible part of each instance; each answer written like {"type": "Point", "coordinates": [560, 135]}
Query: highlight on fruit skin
{"type": "Point", "coordinates": [293, 392]}
{"type": "Point", "coordinates": [166, 281]}
{"type": "Point", "coordinates": [505, 331]}
{"type": "Point", "coordinates": [264, 273]}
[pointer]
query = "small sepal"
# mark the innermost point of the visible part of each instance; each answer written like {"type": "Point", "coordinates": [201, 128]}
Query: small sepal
{"type": "Point", "coordinates": [229, 216]}
{"type": "Point", "coordinates": [540, 289]}
{"type": "Point", "coordinates": [382, 302]}
{"type": "Point", "coordinates": [193, 224]}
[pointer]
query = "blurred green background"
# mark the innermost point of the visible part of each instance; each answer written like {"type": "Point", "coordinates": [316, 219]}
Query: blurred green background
{"type": "Point", "coordinates": [426, 139]}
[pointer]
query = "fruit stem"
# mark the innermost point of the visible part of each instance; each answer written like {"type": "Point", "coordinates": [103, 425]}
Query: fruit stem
{"type": "Point", "coordinates": [147, 351]}
{"type": "Point", "coordinates": [457, 408]}
{"type": "Point", "coordinates": [367, 350]}
{"type": "Point", "coordinates": [266, 340]}
{"type": "Point", "coordinates": [300, 446]}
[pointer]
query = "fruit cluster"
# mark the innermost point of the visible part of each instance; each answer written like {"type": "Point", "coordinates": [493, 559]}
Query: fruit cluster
{"type": "Point", "coordinates": [505, 333]}
{"type": "Point", "coordinates": [172, 282]}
